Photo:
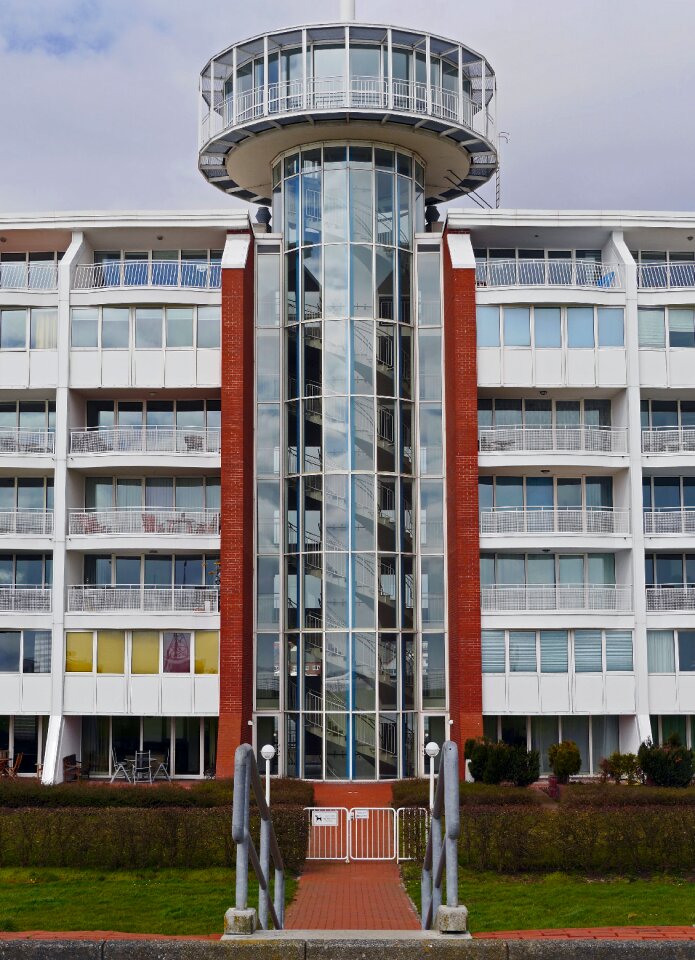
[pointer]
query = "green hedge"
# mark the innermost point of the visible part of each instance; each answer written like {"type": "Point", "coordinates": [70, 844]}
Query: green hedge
{"type": "Point", "coordinates": [636, 840]}
{"type": "Point", "coordinates": [614, 795]}
{"type": "Point", "coordinates": [416, 793]}
{"type": "Point", "coordinates": [206, 794]}
{"type": "Point", "coordinates": [133, 839]}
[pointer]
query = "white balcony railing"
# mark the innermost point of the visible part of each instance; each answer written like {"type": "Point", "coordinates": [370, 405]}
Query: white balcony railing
{"type": "Point", "coordinates": [26, 523]}
{"type": "Point", "coordinates": [669, 440]}
{"type": "Point", "coordinates": [83, 599]}
{"type": "Point", "coordinates": [670, 599]}
{"type": "Point", "coordinates": [147, 273]}
{"type": "Point", "coordinates": [548, 273]}
{"type": "Point", "coordinates": [555, 439]}
{"type": "Point", "coordinates": [666, 275]}
{"type": "Point", "coordinates": [32, 276]}
{"type": "Point", "coordinates": [339, 93]}
{"type": "Point", "coordinates": [502, 598]}
{"type": "Point", "coordinates": [136, 522]}
{"type": "Point", "coordinates": [25, 599]}
{"type": "Point", "coordinates": [19, 440]}
{"type": "Point", "coordinates": [665, 522]}
{"type": "Point", "coordinates": [182, 440]}
{"type": "Point", "coordinates": [558, 520]}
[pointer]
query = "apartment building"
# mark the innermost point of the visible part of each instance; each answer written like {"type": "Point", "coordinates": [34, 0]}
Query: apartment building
{"type": "Point", "coordinates": [357, 474]}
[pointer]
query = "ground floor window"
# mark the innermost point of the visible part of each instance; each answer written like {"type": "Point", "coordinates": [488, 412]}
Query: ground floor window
{"type": "Point", "coordinates": [186, 745]}
{"type": "Point", "coordinates": [597, 736]}
{"type": "Point", "coordinates": [23, 734]}
{"type": "Point", "coordinates": [665, 726]}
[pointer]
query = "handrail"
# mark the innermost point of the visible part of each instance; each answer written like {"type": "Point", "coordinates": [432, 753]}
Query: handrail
{"type": "Point", "coordinates": [543, 273]}
{"type": "Point", "coordinates": [443, 857]}
{"type": "Point", "coordinates": [246, 776]}
{"type": "Point", "coordinates": [199, 274]}
{"type": "Point", "coordinates": [558, 519]}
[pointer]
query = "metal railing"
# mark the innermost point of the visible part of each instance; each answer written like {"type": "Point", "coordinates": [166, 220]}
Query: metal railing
{"type": "Point", "coordinates": [560, 520]}
{"type": "Point", "coordinates": [32, 276]}
{"type": "Point", "coordinates": [246, 776]}
{"type": "Point", "coordinates": [138, 521]}
{"type": "Point", "coordinates": [665, 275]}
{"type": "Point", "coordinates": [583, 439]}
{"type": "Point", "coordinates": [180, 440]}
{"type": "Point", "coordinates": [26, 523]}
{"type": "Point", "coordinates": [441, 857]}
{"type": "Point", "coordinates": [501, 598]}
{"type": "Point", "coordinates": [412, 830]}
{"type": "Point", "coordinates": [25, 599]}
{"type": "Point", "coordinates": [149, 599]}
{"type": "Point", "coordinates": [548, 273]}
{"type": "Point", "coordinates": [669, 440]}
{"type": "Point", "coordinates": [670, 598]}
{"type": "Point", "coordinates": [664, 522]}
{"type": "Point", "coordinates": [338, 93]}
{"type": "Point", "coordinates": [148, 273]}
{"type": "Point", "coordinates": [20, 440]}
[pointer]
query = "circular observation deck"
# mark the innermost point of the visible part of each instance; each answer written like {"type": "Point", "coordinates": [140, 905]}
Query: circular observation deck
{"type": "Point", "coordinates": [352, 81]}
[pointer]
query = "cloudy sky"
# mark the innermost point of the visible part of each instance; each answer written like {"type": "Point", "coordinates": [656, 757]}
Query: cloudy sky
{"type": "Point", "coordinates": [98, 97]}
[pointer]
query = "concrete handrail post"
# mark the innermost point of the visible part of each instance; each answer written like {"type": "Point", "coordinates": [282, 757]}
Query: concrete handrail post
{"type": "Point", "coordinates": [241, 919]}
{"type": "Point", "coordinates": [441, 855]}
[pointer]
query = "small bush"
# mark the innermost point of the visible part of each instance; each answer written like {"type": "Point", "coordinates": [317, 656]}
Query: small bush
{"type": "Point", "coordinates": [495, 763]}
{"type": "Point", "coordinates": [670, 765]}
{"type": "Point", "coordinates": [621, 766]}
{"type": "Point", "coordinates": [565, 760]}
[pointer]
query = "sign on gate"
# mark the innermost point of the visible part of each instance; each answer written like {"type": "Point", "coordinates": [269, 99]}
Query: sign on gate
{"type": "Point", "coordinates": [324, 818]}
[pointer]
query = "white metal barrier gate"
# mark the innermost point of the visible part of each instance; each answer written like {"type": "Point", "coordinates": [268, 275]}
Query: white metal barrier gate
{"type": "Point", "coordinates": [367, 833]}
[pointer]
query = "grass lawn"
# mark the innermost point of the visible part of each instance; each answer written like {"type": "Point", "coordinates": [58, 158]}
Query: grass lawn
{"type": "Point", "coordinates": [163, 901]}
{"type": "Point", "coordinates": [498, 902]}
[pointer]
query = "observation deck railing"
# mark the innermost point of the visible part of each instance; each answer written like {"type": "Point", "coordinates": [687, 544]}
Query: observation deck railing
{"type": "Point", "coordinates": [338, 93]}
{"type": "Point", "coordinates": [549, 273]}
{"type": "Point", "coordinates": [32, 276]}
{"type": "Point", "coordinates": [674, 521]}
{"type": "Point", "coordinates": [19, 440]}
{"type": "Point", "coordinates": [26, 523]}
{"type": "Point", "coordinates": [148, 599]}
{"type": "Point", "coordinates": [190, 441]}
{"type": "Point", "coordinates": [581, 439]}
{"type": "Point", "coordinates": [560, 520]}
{"type": "Point", "coordinates": [671, 599]}
{"type": "Point", "coordinates": [585, 597]}
{"type": "Point", "coordinates": [669, 440]}
{"type": "Point", "coordinates": [137, 522]}
{"type": "Point", "coordinates": [147, 273]}
{"type": "Point", "coordinates": [25, 599]}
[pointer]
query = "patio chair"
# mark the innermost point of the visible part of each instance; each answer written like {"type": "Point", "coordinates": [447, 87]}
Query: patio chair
{"type": "Point", "coordinates": [160, 761]}
{"type": "Point", "coordinates": [119, 768]}
{"type": "Point", "coordinates": [13, 768]}
{"type": "Point", "coordinates": [4, 762]}
{"type": "Point", "coordinates": [142, 769]}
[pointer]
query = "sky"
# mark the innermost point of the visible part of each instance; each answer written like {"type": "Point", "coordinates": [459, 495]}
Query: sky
{"type": "Point", "coordinates": [99, 97]}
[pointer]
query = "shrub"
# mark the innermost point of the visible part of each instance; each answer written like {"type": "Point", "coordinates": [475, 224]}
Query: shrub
{"type": "Point", "coordinates": [415, 793]}
{"type": "Point", "coordinates": [495, 763]}
{"type": "Point", "coordinates": [670, 765]}
{"type": "Point", "coordinates": [621, 766]}
{"type": "Point", "coordinates": [606, 796]}
{"type": "Point", "coordinates": [565, 760]}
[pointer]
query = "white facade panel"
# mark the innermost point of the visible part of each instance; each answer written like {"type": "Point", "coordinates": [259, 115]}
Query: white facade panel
{"type": "Point", "coordinates": [145, 696]}
{"type": "Point", "coordinates": [209, 366]}
{"type": "Point", "coordinates": [111, 695]}
{"type": "Point", "coordinates": [548, 368]}
{"type": "Point", "coordinates": [43, 368]}
{"type": "Point", "coordinates": [14, 368]}
{"type": "Point", "coordinates": [85, 368]}
{"type": "Point", "coordinates": [79, 694]}
{"type": "Point", "coordinates": [581, 368]}
{"type": "Point", "coordinates": [10, 690]}
{"type": "Point", "coordinates": [524, 694]}
{"type": "Point", "coordinates": [517, 366]}
{"type": "Point", "coordinates": [36, 693]}
{"type": "Point", "coordinates": [148, 367]}
{"type": "Point", "coordinates": [206, 695]}
{"type": "Point", "coordinates": [588, 695]}
{"type": "Point", "coordinates": [489, 367]}
{"type": "Point", "coordinates": [494, 693]}
{"type": "Point", "coordinates": [612, 369]}
{"type": "Point", "coordinates": [620, 693]}
{"type": "Point", "coordinates": [680, 365]}
{"type": "Point", "coordinates": [179, 368]}
{"type": "Point", "coordinates": [115, 368]}
{"type": "Point", "coordinates": [555, 693]}
{"type": "Point", "coordinates": [652, 368]}
{"type": "Point", "coordinates": [663, 693]}
{"type": "Point", "coordinates": [177, 696]}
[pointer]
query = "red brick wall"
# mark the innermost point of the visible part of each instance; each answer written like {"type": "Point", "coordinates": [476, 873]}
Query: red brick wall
{"type": "Point", "coordinates": [463, 561]}
{"type": "Point", "coordinates": [236, 553]}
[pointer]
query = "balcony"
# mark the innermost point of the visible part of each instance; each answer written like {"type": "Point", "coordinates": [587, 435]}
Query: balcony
{"type": "Point", "coordinates": [25, 599]}
{"type": "Point", "coordinates": [670, 599]}
{"type": "Point", "coordinates": [669, 440]}
{"type": "Point", "coordinates": [137, 522]}
{"type": "Point", "coordinates": [590, 440]}
{"type": "Point", "coordinates": [666, 276]}
{"type": "Point", "coordinates": [669, 522]}
{"type": "Point", "coordinates": [148, 599]}
{"type": "Point", "coordinates": [177, 440]}
{"type": "Point", "coordinates": [598, 522]}
{"type": "Point", "coordinates": [40, 277]}
{"type": "Point", "coordinates": [26, 523]}
{"type": "Point", "coordinates": [147, 273]}
{"type": "Point", "coordinates": [17, 440]}
{"type": "Point", "coordinates": [549, 273]}
{"type": "Point", "coordinates": [579, 598]}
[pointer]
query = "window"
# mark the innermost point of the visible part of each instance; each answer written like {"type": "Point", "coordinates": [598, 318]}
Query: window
{"type": "Point", "coordinates": [652, 329]}
{"type": "Point", "coordinates": [145, 652]}
{"type": "Point", "coordinates": [179, 326]}
{"type": "Point", "coordinates": [588, 654]}
{"type": "Point", "coordinates": [580, 327]}
{"type": "Point", "coordinates": [13, 329]}
{"type": "Point", "coordinates": [44, 329]}
{"type": "Point", "coordinates": [547, 327]}
{"type": "Point", "coordinates": [554, 651]}
{"type": "Point", "coordinates": [79, 652]}
{"type": "Point", "coordinates": [111, 651]}
{"type": "Point", "coordinates": [488, 326]}
{"type": "Point", "coordinates": [36, 651]}
{"type": "Point", "coordinates": [176, 652]}
{"type": "Point", "coordinates": [148, 328]}
{"type": "Point", "coordinates": [84, 327]}
{"type": "Point", "coordinates": [681, 330]}
{"type": "Point", "coordinates": [611, 327]}
{"type": "Point", "coordinates": [493, 651]}
{"type": "Point", "coordinates": [686, 651]}
{"type": "Point", "coordinates": [208, 328]}
{"type": "Point", "coordinates": [619, 650]}
{"type": "Point", "coordinates": [207, 644]}
{"type": "Point", "coordinates": [522, 651]}
{"type": "Point", "coordinates": [517, 327]}
{"type": "Point", "coordinates": [115, 328]}
{"type": "Point", "coordinates": [10, 641]}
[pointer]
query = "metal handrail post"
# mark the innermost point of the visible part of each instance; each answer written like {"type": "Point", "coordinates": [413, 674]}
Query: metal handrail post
{"type": "Point", "coordinates": [264, 894]}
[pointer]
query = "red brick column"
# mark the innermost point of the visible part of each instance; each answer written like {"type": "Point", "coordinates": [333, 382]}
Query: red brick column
{"type": "Point", "coordinates": [463, 560]}
{"type": "Point", "coordinates": [237, 496]}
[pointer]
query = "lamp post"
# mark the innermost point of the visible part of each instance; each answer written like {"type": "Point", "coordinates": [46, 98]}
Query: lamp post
{"type": "Point", "coordinates": [267, 752]}
{"type": "Point", "coordinates": [432, 751]}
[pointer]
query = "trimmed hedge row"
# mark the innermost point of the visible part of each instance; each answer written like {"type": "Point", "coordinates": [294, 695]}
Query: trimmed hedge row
{"type": "Point", "coordinates": [642, 839]}
{"type": "Point", "coordinates": [611, 795]}
{"type": "Point", "coordinates": [416, 793]}
{"type": "Point", "coordinates": [134, 839]}
{"type": "Point", "coordinates": [206, 794]}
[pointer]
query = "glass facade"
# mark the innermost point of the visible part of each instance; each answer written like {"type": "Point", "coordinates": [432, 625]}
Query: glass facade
{"type": "Point", "coordinates": [346, 579]}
